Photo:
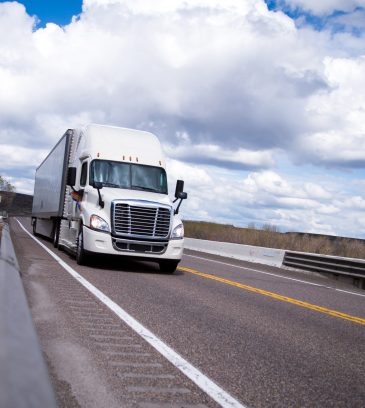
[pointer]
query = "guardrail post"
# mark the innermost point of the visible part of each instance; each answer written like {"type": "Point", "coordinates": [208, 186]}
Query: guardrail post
{"type": "Point", "coordinates": [24, 380]}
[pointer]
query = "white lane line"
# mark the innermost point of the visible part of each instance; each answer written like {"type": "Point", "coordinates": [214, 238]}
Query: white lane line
{"type": "Point", "coordinates": [203, 382]}
{"type": "Point", "coordinates": [348, 291]}
{"type": "Point", "coordinates": [276, 275]}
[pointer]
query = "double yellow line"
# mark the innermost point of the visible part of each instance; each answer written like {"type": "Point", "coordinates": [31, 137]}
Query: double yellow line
{"type": "Point", "coordinates": [287, 299]}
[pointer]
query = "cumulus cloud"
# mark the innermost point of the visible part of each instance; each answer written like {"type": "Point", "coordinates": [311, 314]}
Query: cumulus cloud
{"type": "Point", "coordinates": [322, 7]}
{"type": "Point", "coordinates": [185, 66]}
{"type": "Point", "coordinates": [220, 156]}
{"type": "Point", "coordinates": [314, 190]}
{"type": "Point", "coordinates": [351, 21]}
{"type": "Point", "coordinates": [218, 70]}
{"type": "Point", "coordinates": [339, 113]}
{"type": "Point", "coordinates": [268, 197]}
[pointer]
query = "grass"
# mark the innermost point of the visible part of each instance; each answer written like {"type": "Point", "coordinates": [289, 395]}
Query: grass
{"type": "Point", "coordinates": [271, 237]}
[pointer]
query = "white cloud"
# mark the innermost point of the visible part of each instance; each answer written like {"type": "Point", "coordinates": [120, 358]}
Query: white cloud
{"type": "Point", "coordinates": [13, 156]}
{"type": "Point", "coordinates": [197, 70]}
{"type": "Point", "coordinates": [219, 156]}
{"type": "Point", "coordinates": [325, 6]}
{"type": "Point", "coordinates": [268, 182]}
{"type": "Point", "coordinates": [267, 197]}
{"type": "Point", "coordinates": [294, 202]}
{"type": "Point", "coordinates": [354, 203]}
{"type": "Point", "coordinates": [340, 114]}
{"type": "Point", "coordinates": [23, 185]}
{"type": "Point", "coordinates": [184, 65]}
{"type": "Point", "coordinates": [329, 210]}
{"type": "Point", "coordinates": [158, 7]}
{"type": "Point", "coordinates": [314, 190]}
{"type": "Point", "coordinates": [355, 20]}
{"type": "Point", "coordinates": [195, 176]}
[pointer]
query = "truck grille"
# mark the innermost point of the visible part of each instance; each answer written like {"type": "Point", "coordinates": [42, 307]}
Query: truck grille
{"type": "Point", "coordinates": [136, 220]}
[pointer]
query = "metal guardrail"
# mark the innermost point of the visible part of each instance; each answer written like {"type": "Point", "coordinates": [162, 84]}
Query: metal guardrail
{"type": "Point", "coordinates": [24, 380]}
{"type": "Point", "coordinates": [350, 267]}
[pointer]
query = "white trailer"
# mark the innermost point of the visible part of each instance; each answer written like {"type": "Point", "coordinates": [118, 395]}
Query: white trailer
{"type": "Point", "coordinates": [103, 189]}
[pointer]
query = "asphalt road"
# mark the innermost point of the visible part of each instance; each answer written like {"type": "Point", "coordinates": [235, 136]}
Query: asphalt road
{"type": "Point", "coordinates": [267, 336]}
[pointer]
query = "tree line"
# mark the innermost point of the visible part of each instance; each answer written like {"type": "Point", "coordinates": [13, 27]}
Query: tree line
{"type": "Point", "coordinates": [5, 185]}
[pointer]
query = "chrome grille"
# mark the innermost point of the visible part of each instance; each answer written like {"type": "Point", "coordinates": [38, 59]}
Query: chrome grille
{"type": "Point", "coordinates": [136, 220]}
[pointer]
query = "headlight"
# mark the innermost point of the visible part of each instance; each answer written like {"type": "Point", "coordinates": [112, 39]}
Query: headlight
{"type": "Point", "coordinates": [178, 232]}
{"type": "Point", "coordinates": [98, 223]}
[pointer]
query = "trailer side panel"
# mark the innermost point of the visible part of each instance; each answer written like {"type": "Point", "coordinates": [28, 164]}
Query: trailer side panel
{"type": "Point", "coordinates": [50, 181]}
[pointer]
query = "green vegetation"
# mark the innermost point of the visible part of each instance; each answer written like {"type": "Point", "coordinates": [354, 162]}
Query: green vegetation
{"type": "Point", "coordinates": [6, 185]}
{"type": "Point", "coordinates": [6, 194]}
{"type": "Point", "coordinates": [270, 237]}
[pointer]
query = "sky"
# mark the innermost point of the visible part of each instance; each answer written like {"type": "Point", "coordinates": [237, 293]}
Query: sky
{"type": "Point", "coordinates": [259, 105]}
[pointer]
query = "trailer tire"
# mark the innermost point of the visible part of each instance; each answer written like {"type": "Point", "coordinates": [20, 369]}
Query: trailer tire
{"type": "Point", "coordinates": [80, 251]}
{"type": "Point", "coordinates": [56, 233]}
{"type": "Point", "coordinates": [168, 267]}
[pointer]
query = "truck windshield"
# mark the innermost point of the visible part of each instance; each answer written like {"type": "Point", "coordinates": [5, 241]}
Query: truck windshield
{"type": "Point", "coordinates": [126, 175]}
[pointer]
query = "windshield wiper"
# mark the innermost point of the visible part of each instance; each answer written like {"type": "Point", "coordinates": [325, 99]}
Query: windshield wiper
{"type": "Point", "coordinates": [146, 189]}
{"type": "Point", "coordinates": [111, 185]}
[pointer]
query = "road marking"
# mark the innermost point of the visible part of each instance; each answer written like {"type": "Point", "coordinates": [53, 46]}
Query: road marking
{"type": "Point", "coordinates": [287, 299]}
{"type": "Point", "coordinates": [277, 275]}
{"type": "Point", "coordinates": [224, 399]}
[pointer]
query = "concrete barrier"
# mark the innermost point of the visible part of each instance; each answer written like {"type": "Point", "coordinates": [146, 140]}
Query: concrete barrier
{"type": "Point", "coordinates": [267, 256]}
{"type": "Point", "coordinates": [24, 381]}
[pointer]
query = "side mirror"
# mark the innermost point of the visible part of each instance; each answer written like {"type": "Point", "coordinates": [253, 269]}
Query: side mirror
{"type": "Point", "coordinates": [179, 194]}
{"type": "Point", "coordinates": [98, 185]}
{"type": "Point", "coordinates": [71, 176]}
{"type": "Point", "coordinates": [179, 191]}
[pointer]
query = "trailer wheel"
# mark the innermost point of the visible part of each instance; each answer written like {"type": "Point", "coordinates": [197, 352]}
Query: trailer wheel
{"type": "Point", "coordinates": [80, 251]}
{"type": "Point", "coordinates": [168, 267]}
{"type": "Point", "coordinates": [56, 234]}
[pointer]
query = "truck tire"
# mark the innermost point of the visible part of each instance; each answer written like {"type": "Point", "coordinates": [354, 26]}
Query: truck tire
{"type": "Point", "coordinates": [56, 233]}
{"type": "Point", "coordinates": [168, 266]}
{"type": "Point", "coordinates": [80, 251]}
{"type": "Point", "coordinates": [35, 227]}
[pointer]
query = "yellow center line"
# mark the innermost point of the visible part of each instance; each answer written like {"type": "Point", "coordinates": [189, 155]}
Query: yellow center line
{"type": "Point", "coordinates": [287, 299]}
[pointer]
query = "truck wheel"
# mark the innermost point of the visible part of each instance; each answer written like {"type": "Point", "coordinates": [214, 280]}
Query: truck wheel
{"type": "Point", "coordinates": [168, 267]}
{"type": "Point", "coordinates": [80, 251]}
{"type": "Point", "coordinates": [56, 234]}
{"type": "Point", "coordinates": [35, 227]}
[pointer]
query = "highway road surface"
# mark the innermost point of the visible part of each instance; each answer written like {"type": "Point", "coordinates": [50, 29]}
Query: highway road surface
{"type": "Point", "coordinates": [218, 332]}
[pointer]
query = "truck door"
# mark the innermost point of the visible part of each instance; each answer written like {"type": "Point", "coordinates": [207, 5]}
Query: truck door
{"type": "Point", "coordinates": [79, 194]}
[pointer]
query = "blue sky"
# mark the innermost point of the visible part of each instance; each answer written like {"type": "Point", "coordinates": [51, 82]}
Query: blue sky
{"type": "Point", "coordinates": [318, 22]}
{"type": "Point", "coordinates": [54, 11]}
{"type": "Point", "coordinates": [261, 111]}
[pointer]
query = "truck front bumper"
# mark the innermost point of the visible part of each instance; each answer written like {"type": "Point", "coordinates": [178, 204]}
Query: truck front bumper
{"type": "Point", "coordinates": [102, 243]}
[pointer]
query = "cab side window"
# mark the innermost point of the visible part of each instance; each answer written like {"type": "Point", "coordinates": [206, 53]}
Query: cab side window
{"type": "Point", "coordinates": [83, 176]}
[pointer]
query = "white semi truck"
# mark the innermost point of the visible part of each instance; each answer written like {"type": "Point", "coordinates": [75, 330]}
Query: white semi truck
{"type": "Point", "coordinates": [103, 189]}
